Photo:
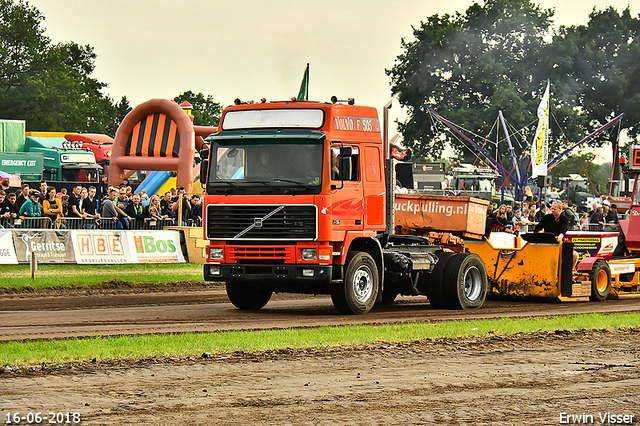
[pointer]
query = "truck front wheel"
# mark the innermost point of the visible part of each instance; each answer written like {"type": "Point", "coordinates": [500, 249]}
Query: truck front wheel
{"type": "Point", "coordinates": [248, 296]}
{"type": "Point", "coordinates": [465, 281]}
{"type": "Point", "coordinates": [359, 290]}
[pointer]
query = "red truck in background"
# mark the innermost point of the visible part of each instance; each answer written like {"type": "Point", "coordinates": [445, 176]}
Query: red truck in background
{"type": "Point", "coordinates": [299, 197]}
{"type": "Point", "coordinates": [99, 144]}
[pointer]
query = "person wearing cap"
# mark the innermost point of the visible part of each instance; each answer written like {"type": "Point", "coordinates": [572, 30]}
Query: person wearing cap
{"type": "Point", "coordinates": [31, 207]}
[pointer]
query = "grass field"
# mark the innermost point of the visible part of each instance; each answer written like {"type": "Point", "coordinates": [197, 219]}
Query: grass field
{"type": "Point", "coordinates": [195, 344]}
{"type": "Point", "coordinates": [61, 276]}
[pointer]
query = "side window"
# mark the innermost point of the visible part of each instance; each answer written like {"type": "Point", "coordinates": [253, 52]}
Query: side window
{"type": "Point", "coordinates": [230, 163]}
{"type": "Point", "coordinates": [345, 162]}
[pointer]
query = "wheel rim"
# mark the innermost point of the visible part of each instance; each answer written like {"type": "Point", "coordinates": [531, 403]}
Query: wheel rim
{"type": "Point", "coordinates": [472, 283]}
{"type": "Point", "coordinates": [602, 281]}
{"type": "Point", "coordinates": [362, 284]}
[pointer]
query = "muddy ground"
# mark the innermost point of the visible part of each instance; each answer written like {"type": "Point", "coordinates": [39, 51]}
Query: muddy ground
{"type": "Point", "coordinates": [518, 380]}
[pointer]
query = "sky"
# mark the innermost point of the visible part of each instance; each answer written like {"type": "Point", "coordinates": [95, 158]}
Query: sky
{"type": "Point", "coordinates": [253, 49]}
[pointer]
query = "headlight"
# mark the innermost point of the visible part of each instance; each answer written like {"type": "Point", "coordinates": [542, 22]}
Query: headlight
{"type": "Point", "coordinates": [309, 254]}
{"type": "Point", "coordinates": [216, 253]}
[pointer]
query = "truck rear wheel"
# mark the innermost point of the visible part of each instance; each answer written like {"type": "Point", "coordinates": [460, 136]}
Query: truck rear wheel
{"type": "Point", "coordinates": [248, 296]}
{"type": "Point", "coordinates": [432, 283]}
{"type": "Point", "coordinates": [600, 281]}
{"type": "Point", "coordinates": [465, 281]}
{"type": "Point", "coordinates": [359, 290]}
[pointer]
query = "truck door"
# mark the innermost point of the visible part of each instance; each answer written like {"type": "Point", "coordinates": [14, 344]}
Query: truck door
{"type": "Point", "coordinates": [373, 187]}
{"type": "Point", "coordinates": [347, 204]}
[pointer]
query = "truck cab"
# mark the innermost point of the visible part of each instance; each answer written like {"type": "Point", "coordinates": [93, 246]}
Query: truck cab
{"type": "Point", "coordinates": [64, 160]}
{"type": "Point", "coordinates": [290, 188]}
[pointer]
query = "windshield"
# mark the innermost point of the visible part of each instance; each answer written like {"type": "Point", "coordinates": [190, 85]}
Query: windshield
{"type": "Point", "coordinates": [264, 168]}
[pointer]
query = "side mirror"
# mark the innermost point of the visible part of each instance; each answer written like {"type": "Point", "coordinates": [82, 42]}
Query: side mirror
{"type": "Point", "coordinates": [204, 154]}
{"type": "Point", "coordinates": [204, 168]}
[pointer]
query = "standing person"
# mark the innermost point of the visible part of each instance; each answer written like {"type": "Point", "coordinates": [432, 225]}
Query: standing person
{"type": "Point", "coordinates": [74, 197]}
{"type": "Point", "coordinates": [136, 212]}
{"type": "Point", "coordinates": [612, 216]}
{"type": "Point", "coordinates": [528, 195]}
{"type": "Point", "coordinates": [31, 207]}
{"type": "Point", "coordinates": [52, 206]}
{"type": "Point", "coordinates": [82, 203]}
{"type": "Point", "coordinates": [196, 210]}
{"type": "Point", "coordinates": [5, 185]}
{"type": "Point", "coordinates": [167, 208]}
{"type": "Point", "coordinates": [43, 193]}
{"type": "Point", "coordinates": [23, 196]}
{"type": "Point", "coordinates": [90, 204]}
{"type": "Point", "coordinates": [8, 209]}
{"type": "Point", "coordinates": [557, 224]}
{"type": "Point", "coordinates": [155, 202]}
{"type": "Point", "coordinates": [596, 221]}
{"type": "Point", "coordinates": [568, 212]}
{"type": "Point", "coordinates": [111, 210]}
{"type": "Point", "coordinates": [65, 205]}
{"type": "Point", "coordinates": [5, 215]}
{"type": "Point", "coordinates": [122, 202]}
{"type": "Point", "coordinates": [102, 191]}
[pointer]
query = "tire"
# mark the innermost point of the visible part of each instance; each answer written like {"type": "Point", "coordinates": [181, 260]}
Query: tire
{"type": "Point", "coordinates": [248, 296]}
{"type": "Point", "coordinates": [600, 277]}
{"type": "Point", "coordinates": [432, 283]}
{"type": "Point", "coordinates": [465, 282]}
{"type": "Point", "coordinates": [359, 290]}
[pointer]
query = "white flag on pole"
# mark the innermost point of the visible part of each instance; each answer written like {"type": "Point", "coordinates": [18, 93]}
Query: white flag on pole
{"type": "Point", "coordinates": [540, 145]}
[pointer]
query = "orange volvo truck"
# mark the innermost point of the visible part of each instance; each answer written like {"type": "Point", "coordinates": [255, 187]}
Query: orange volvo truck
{"type": "Point", "coordinates": [300, 198]}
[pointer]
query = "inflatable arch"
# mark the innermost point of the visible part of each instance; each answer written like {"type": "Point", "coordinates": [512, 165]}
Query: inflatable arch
{"type": "Point", "coordinates": [157, 135]}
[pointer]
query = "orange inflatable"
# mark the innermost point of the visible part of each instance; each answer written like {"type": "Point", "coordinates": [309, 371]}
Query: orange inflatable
{"type": "Point", "coordinates": [157, 135]}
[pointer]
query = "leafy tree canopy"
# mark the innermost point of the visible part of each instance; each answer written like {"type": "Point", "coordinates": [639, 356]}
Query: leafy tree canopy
{"type": "Point", "coordinates": [205, 111]}
{"type": "Point", "coordinates": [499, 56]}
{"type": "Point", "coordinates": [48, 85]}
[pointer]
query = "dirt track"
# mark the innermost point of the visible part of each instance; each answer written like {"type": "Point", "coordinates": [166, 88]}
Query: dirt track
{"type": "Point", "coordinates": [122, 311]}
{"type": "Point", "coordinates": [524, 379]}
{"type": "Point", "coordinates": [528, 379]}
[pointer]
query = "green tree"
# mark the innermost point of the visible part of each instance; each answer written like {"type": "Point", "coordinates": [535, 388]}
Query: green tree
{"type": "Point", "coordinates": [469, 67]}
{"type": "Point", "coordinates": [48, 85]}
{"type": "Point", "coordinates": [205, 111]}
{"type": "Point", "coordinates": [499, 55]}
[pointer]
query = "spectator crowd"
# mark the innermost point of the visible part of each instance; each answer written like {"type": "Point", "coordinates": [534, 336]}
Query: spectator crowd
{"type": "Point", "coordinates": [526, 217]}
{"type": "Point", "coordinates": [102, 207]}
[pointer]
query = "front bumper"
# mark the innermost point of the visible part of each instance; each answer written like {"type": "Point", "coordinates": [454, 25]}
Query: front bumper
{"type": "Point", "coordinates": [284, 273]}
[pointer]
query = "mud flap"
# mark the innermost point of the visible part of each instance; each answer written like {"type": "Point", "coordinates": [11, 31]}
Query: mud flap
{"type": "Point", "coordinates": [566, 273]}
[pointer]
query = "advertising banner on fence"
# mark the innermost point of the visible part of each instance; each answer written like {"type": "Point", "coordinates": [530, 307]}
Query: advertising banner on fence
{"type": "Point", "coordinates": [155, 246]}
{"type": "Point", "coordinates": [50, 246]}
{"type": "Point", "coordinates": [99, 246]}
{"type": "Point", "coordinates": [7, 252]}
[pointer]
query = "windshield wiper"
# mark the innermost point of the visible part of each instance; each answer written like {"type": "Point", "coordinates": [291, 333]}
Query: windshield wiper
{"type": "Point", "coordinates": [303, 185]}
{"type": "Point", "coordinates": [261, 182]}
{"type": "Point", "coordinates": [226, 190]}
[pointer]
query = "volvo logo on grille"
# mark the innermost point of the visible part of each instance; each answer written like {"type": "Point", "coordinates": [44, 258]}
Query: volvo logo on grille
{"type": "Point", "coordinates": [257, 222]}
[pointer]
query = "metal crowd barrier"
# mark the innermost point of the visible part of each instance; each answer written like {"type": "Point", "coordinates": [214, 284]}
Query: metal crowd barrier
{"type": "Point", "coordinates": [88, 223]}
{"type": "Point", "coordinates": [155, 224]}
{"type": "Point", "coordinates": [33, 223]}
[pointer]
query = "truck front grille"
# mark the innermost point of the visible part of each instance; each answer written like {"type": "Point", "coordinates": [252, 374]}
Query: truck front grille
{"type": "Point", "coordinates": [261, 222]}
